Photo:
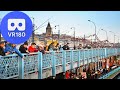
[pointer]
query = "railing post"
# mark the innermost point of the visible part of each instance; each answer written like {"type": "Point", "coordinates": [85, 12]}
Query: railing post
{"type": "Point", "coordinates": [92, 56]}
{"type": "Point", "coordinates": [53, 64]}
{"type": "Point", "coordinates": [71, 57]}
{"type": "Point", "coordinates": [95, 60]}
{"type": "Point", "coordinates": [98, 58]}
{"type": "Point", "coordinates": [87, 58]}
{"type": "Point", "coordinates": [101, 57]}
{"type": "Point", "coordinates": [64, 60]}
{"type": "Point", "coordinates": [39, 65]}
{"type": "Point", "coordinates": [78, 58]}
{"type": "Point", "coordinates": [83, 57]}
{"type": "Point", "coordinates": [21, 68]}
{"type": "Point", "coordinates": [105, 52]}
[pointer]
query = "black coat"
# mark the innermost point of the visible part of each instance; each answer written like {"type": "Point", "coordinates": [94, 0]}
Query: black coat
{"type": "Point", "coordinates": [2, 53]}
{"type": "Point", "coordinates": [65, 47]}
{"type": "Point", "coordinates": [22, 49]}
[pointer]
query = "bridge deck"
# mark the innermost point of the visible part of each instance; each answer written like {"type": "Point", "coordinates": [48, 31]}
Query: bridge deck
{"type": "Point", "coordinates": [51, 63]}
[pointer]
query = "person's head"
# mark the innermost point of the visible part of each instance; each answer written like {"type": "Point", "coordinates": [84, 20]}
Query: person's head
{"type": "Point", "coordinates": [68, 71]}
{"type": "Point", "coordinates": [40, 47]}
{"type": "Point", "coordinates": [80, 44]}
{"type": "Point", "coordinates": [52, 43]}
{"type": "Point", "coordinates": [13, 45]}
{"type": "Point", "coordinates": [33, 45]}
{"type": "Point", "coordinates": [6, 42]}
{"type": "Point", "coordinates": [74, 75]}
{"type": "Point", "coordinates": [57, 44]}
{"type": "Point", "coordinates": [2, 44]}
{"type": "Point", "coordinates": [67, 44]}
{"type": "Point", "coordinates": [25, 44]}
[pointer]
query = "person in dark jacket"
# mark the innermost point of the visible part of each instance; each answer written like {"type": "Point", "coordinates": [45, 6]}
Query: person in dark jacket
{"type": "Point", "coordinates": [2, 45]}
{"type": "Point", "coordinates": [23, 48]}
{"type": "Point", "coordinates": [66, 47]}
{"type": "Point", "coordinates": [80, 46]}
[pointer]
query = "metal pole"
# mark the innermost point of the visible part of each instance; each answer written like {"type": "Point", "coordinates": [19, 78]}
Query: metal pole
{"type": "Point", "coordinates": [58, 32]}
{"type": "Point", "coordinates": [33, 30]}
{"type": "Point", "coordinates": [52, 36]}
{"type": "Point", "coordinates": [114, 37]}
{"type": "Point", "coordinates": [74, 36]}
{"type": "Point", "coordinates": [84, 41]}
{"type": "Point", "coordinates": [0, 32]}
{"type": "Point", "coordinates": [114, 40]}
{"type": "Point", "coordinates": [33, 34]}
{"type": "Point", "coordinates": [106, 34]}
{"type": "Point", "coordinates": [118, 41]}
{"type": "Point", "coordinates": [95, 31]}
{"type": "Point", "coordinates": [74, 39]}
{"type": "Point", "coordinates": [58, 35]}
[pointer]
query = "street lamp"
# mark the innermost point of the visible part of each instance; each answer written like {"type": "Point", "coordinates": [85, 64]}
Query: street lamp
{"type": "Point", "coordinates": [58, 32]}
{"type": "Point", "coordinates": [118, 41]}
{"type": "Point", "coordinates": [33, 29]}
{"type": "Point", "coordinates": [95, 29]}
{"type": "Point", "coordinates": [114, 37]}
{"type": "Point", "coordinates": [0, 32]}
{"type": "Point", "coordinates": [65, 33]}
{"type": "Point", "coordinates": [74, 36]}
{"type": "Point", "coordinates": [106, 34]}
{"type": "Point", "coordinates": [52, 31]}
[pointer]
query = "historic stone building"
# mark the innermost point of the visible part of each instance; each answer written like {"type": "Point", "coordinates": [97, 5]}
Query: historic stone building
{"type": "Point", "coordinates": [48, 30]}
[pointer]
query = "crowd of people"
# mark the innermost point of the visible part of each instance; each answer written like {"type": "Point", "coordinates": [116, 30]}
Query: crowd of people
{"type": "Point", "coordinates": [86, 74]}
{"type": "Point", "coordinates": [7, 48]}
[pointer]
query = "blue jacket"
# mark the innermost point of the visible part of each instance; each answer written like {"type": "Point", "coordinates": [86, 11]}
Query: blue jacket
{"type": "Point", "coordinates": [12, 50]}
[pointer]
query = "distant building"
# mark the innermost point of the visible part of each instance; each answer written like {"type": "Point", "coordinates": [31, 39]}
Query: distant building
{"type": "Point", "coordinates": [48, 30]}
{"type": "Point", "coordinates": [62, 38]}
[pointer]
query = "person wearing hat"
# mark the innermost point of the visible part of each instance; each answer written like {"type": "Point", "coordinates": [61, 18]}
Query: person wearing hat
{"type": "Point", "coordinates": [2, 52]}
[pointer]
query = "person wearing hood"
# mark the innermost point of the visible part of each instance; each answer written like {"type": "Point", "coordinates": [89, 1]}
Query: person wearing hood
{"type": "Point", "coordinates": [12, 49]}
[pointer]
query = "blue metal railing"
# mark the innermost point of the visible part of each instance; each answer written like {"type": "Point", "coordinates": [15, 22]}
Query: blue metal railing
{"type": "Point", "coordinates": [110, 73]}
{"type": "Point", "coordinates": [13, 66]}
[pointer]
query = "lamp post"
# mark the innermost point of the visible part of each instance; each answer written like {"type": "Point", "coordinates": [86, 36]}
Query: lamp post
{"type": "Point", "coordinates": [0, 31]}
{"type": "Point", "coordinates": [33, 35]}
{"type": "Point", "coordinates": [74, 36]}
{"type": "Point", "coordinates": [52, 31]}
{"type": "Point", "coordinates": [95, 29]}
{"type": "Point", "coordinates": [118, 41]}
{"type": "Point", "coordinates": [65, 33]}
{"type": "Point", "coordinates": [114, 37]}
{"type": "Point", "coordinates": [106, 34]}
{"type": "Point", "coordinates": [58, 32]}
